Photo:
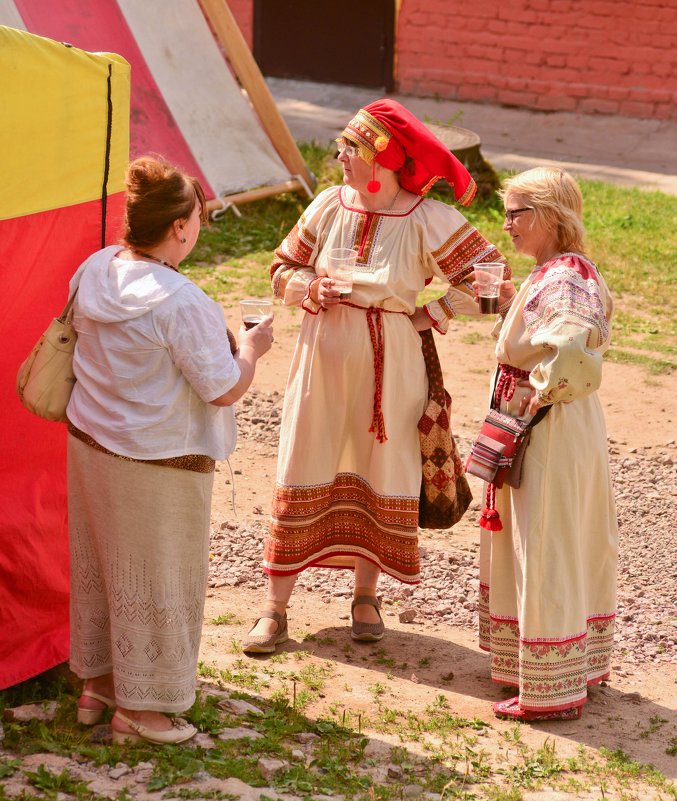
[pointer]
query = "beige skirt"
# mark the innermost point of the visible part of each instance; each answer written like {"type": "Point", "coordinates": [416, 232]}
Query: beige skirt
{"type": "Point", "coordinates": [139, 545]}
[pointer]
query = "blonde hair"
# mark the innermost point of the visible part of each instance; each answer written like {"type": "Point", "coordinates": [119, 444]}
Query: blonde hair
{"type": "Point", "coordinates": [556, 199]}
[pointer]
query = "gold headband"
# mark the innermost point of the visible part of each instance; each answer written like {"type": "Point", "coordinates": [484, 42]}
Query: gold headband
{"type": "Point", "coordinates": [370, 136]}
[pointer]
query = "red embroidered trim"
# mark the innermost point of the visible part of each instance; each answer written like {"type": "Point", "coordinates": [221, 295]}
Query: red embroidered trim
{"type": "Point", "coordinates": [307, 297]}
{"type": "Point", "coordinates": [434, 322]}
{"type": "Point", "coordinates": [403, 213]}
{"type": "Point", "coordinates": [269, 571]}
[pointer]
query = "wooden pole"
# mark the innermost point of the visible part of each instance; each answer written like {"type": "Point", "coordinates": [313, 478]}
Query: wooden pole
{"type": "Point", "coordinates": [247, 70]}
{"type": "Point", "coordinates": [294, 185]}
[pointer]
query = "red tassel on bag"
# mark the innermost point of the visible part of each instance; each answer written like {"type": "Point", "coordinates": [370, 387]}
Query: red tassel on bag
{"type": "Point", "coordinates": [490, 519]}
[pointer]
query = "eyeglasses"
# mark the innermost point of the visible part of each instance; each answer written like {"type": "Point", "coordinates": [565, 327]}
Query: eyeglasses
{"type": "Point", "coordinates": [350, 150]}
{"type": "Point", "coordinates": [510, 213]}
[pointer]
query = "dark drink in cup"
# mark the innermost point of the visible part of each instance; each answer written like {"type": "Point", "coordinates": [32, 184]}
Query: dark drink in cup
{"type": "Point", "coordinates": [250, 321]}
{"type": "Point", "coordinates": [254, 311]}
{"type": "Point", "coordinates": [488, 305]}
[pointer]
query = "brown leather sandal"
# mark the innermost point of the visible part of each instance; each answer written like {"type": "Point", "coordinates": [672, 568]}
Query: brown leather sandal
{"type": "Point", "coordinates": [266, 643]}
{"type": "Point", "coordinates": [367, 632]}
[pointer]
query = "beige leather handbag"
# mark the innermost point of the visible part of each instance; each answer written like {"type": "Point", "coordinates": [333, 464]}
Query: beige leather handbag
{"type": "Point", "coordinates": [45, 379]}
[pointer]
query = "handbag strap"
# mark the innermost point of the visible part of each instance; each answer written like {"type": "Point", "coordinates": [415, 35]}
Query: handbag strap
{"type": "Point", "coordinates": [67, 309]}
{"type": "Point", "coordinates": [433, 367]}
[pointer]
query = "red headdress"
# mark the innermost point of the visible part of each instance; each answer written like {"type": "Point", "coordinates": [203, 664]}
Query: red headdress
{"type": "Point", "coordinates": [386, 133]}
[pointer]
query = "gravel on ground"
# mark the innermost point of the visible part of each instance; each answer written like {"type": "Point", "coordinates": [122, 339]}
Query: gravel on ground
{"type": "Point", "coordinates": [644, 485]}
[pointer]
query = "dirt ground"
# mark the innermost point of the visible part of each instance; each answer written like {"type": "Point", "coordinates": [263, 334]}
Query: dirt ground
{"type": "Point", "coordinates": [641, 411]}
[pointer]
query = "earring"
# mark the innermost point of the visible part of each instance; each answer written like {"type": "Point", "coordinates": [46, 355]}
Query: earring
{"type": "Point", "coordinates": [373, 186]}
{"type": "Point", "coordinates": [183, 240]}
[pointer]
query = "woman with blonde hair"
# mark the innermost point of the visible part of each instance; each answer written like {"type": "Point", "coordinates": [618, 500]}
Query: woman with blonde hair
{"type": "Point", "coordinates": [549, 548]}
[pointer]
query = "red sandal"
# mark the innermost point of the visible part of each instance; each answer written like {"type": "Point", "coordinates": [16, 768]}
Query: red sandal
{"type": "Point", "coordinates": [511, 710]}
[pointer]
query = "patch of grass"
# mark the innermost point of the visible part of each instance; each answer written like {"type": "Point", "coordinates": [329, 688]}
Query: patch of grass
{"type": "Point", "coordinates": [8, 767]}
{"type": "Point", "coordinates": [621, 766]}
{"type": "Point", "coordinates": [656, 722]}
{"type": "Point", "coordinates": [496, 793]}
{"type": "Point", "coordinates": [174, 766]}
{"type": "Point", "coordinates": [186, 794]}
{"type": "Point", "coordinates": [204, 713]}
{"type": "Point", "coordinates": [226, 619]}
{"type": "Point", "coordinates": [377, 690]}
{"type": "Point", "coordinates": [537, 766]}
{"type": "Point", "coordinates": [447, 760]}
{"type": "Point", "coordinates": [383, 658]}
{"type": "Point", "coordinates": [473, 338]}
{"type": "Point", "coordinates": [53, 783]}
{"type": "Point", "coordinates": [656, 366]}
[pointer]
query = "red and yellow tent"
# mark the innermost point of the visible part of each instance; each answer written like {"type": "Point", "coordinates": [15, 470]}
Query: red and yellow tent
{"type": "Point", "coordinates": [64, 140]}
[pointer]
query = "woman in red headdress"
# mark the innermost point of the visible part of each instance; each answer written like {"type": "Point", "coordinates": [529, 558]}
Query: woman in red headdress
{"type": "Point", "coordinates": [349, 466]}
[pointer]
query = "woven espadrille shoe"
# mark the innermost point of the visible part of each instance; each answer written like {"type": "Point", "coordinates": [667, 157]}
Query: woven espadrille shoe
{"type": "Point", "coordinates": [367, 632]}
{"type": "Point", "coordinates": [266, 643]}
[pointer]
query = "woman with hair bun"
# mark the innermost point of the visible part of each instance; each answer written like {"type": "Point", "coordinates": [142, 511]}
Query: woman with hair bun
{"type": "Point", "coordinates": [549, 548]}
{"type": "Point", "coordinates": [150, 413]}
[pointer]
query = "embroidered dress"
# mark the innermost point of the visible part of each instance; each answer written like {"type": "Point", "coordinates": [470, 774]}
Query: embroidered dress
{"type": "Point", "coordinates": [548, 580]}
{"type": "Point", "coordinates": [341, 493]}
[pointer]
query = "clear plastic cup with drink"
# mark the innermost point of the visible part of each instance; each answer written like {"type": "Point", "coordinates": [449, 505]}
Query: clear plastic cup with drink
{"type": "Point", "coordinates": [488, 277]}
{"type": "Point", "coordinates": [340, 266]}
{"type": "Point", "coordinates": [254, 311]}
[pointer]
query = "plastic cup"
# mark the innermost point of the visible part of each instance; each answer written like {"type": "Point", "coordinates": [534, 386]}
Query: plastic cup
{"type": "Point", "coordinates": [488, 277]}
{"type": "Point", "coordinates": [253, 311]}
{"type": "Point", "coordinates": [340, 266]}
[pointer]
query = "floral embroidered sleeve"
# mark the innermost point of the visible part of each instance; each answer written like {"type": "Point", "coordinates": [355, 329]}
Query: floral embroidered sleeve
{"type": "Point", "coordinates": [453, 248]}
{"type": "Point", "coordinates": [293, 268]}
{"type": "Point", "coordinates": [567, 314]}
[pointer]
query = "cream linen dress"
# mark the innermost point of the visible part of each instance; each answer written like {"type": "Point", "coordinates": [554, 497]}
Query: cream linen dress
{"type": "Point", "coordinates": [548, 579]}
{"type": "Point", "coordinates": [340, 492]}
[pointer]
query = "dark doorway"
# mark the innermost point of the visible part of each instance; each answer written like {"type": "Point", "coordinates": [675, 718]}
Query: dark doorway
{"type": "Point", "coordinates": [347, 41]}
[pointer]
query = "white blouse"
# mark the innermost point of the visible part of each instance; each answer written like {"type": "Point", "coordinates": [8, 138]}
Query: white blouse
{"type": "Point", "coordinates": [152, 351]}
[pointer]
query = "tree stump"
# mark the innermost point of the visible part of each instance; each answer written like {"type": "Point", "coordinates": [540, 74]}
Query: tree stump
{"type": "Point", "coordinates": [466, 146]}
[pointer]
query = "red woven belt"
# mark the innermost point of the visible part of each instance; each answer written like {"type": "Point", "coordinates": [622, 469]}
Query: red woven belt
{"type": "Point", "coordinates": [375, 325]}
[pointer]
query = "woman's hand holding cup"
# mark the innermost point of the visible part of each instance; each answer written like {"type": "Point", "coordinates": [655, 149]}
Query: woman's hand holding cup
{"type": "Point", "coordinates": [258, 339]}
{"type": "Point", "coordinates": [324, 292]}
{"type": "Point", "coordinates": [494, 289]}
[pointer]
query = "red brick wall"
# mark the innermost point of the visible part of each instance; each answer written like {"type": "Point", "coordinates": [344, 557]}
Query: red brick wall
{"type": "Point", "coordinates": [607, 56]}
{"type": "Point", "coordinates": [604, 56]}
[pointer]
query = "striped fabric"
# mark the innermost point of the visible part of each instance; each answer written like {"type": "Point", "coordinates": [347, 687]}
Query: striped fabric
{"type": "Point", "coordinates": [65, 145]}
{"type": "Point", "coordinates": [186, 105]}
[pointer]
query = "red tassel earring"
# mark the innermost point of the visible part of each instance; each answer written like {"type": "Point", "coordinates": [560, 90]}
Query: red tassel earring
{"type": "Point", "coordinates": [373, 186]}
{"type": "Point", "coordinates": [380, 144]}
